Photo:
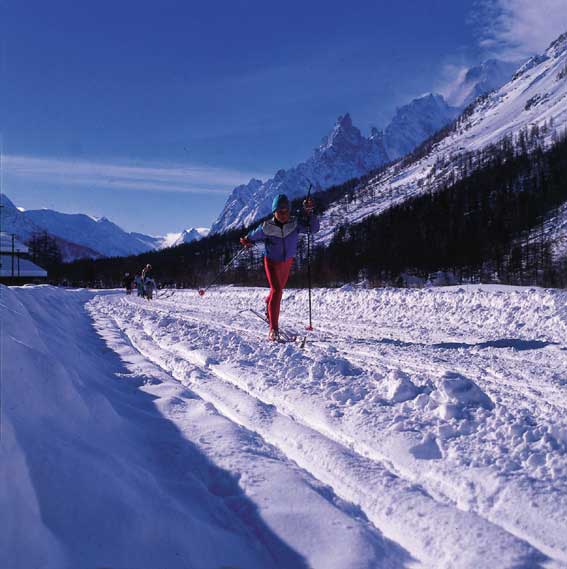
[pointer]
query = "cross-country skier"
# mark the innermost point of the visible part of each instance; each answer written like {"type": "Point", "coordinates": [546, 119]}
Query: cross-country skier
{"type": "Point", "coordinates": [127, 282]}
{"type": "Point", "coordinates": [147, 271]}
{"type": "Point", "coordinates": [139, 284]}
{"type": "Point", "coordinates": [280, 235]}
{"type": "Point", "coordinates": [149, 286]}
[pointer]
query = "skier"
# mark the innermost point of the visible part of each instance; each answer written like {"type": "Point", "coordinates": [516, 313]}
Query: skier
{"type": "Point", "coordinates": [280, 236]}
{"type": "Point", "coordinates": [149, 286]}
{"type": "Point", "coordinates": [127, 282]}
{"type": "Point", "coordinates": [146, 271]}
{"type": "Point", "coordinates": [139, 284]}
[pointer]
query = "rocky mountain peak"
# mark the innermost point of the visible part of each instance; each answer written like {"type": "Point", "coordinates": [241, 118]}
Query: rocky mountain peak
{"type": "Point", "coordinates": [558, 47]}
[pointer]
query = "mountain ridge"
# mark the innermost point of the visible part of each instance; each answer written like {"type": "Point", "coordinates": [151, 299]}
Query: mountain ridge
{"type": "Point", "coordinates": [346, 154]}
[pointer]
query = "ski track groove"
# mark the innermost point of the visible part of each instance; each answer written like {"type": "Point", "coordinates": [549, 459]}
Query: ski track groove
{"type": "Point", "coordinates": [365, 453]}
{"type": "Point", "coordinates": [349, 509]}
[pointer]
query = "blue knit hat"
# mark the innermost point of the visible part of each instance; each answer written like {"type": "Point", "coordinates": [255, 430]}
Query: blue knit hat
{"type": "Point", "coordinates": [280, 201]}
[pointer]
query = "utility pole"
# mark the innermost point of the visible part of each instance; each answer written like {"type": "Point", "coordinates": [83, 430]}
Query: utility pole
{"type": "Point", "coordinates": [1, 206]}
{"type": "Point", "coordinates": [13, 251]}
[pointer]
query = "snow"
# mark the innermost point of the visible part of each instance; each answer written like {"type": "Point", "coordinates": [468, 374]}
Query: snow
{"type": "Point", "coordinates": [422, 427]}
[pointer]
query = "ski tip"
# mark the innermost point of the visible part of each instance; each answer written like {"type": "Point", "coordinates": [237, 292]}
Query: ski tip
{"type": "Point", "coordinates": [201, 292]}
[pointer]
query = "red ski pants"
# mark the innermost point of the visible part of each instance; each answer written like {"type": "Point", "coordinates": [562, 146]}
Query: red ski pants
{"type": "Point", "coordinates": [277, 273]}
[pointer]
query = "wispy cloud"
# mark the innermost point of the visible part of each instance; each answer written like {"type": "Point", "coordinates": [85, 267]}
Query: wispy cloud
{"type": "Point", "coordinates": [516, 29]}
{"type": "Point", "coordinates": [165, 178]}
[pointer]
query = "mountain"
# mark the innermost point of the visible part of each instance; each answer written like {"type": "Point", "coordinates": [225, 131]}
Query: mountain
{"type": "Point", "coordinates": [344, 154]}
{"type": "Point", "coordinates": [535, 99]}
{"type": "Point", "coordinates": [186, 236]}
{"type": "Point", "coordinates": [479, 80]}
{"type": "Point", "coordinates": [100, 236]}
{"type": "Point", "coordinates": [421, 118]}
{"type": "Point", "coordinates": [80, 235]}
{"type": "Point", "coordinates": [415, 122]}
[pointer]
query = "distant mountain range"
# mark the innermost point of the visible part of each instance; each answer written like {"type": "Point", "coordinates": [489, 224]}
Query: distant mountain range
{"type": "Point", "coordinates": [80, 235]}
{"type": "Point", "coordinates": [345, 153]}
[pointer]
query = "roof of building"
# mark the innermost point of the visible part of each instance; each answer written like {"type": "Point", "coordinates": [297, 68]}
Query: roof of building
{"type": "Point", "coordinates": [27, 268]}
{"type": "Point", "coordinates": [6, 244]}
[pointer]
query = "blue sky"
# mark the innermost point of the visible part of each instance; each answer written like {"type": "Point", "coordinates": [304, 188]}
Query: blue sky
{"type": "Point", "coordinates": [149, 113]}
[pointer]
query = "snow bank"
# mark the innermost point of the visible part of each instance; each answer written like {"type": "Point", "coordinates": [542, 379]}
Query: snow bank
{"type": "Point", "coordinates": [91, 475]}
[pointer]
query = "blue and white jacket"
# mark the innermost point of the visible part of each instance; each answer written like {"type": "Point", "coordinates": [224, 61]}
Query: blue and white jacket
{"type": "Point", "coordinates": [280, 240]}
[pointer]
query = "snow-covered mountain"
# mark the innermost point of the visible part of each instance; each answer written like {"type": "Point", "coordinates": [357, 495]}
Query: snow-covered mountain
{"type": "Point", "coordinates": [347, 154]}
{"type": "Point", "coordinates": [476, 81]}
{"type": "Point", "coordinates": [100, 236]}
{"type": "Point", "coordinates": [536, 96]}
{"type": "Point", "coordinates": [415, 122]}
{"type": "Point", "coordinates": [185, 236]}
{"type": "Point", "coordinates": [344, 154]}
{"type": "Point", "coordinates": [80, 235]}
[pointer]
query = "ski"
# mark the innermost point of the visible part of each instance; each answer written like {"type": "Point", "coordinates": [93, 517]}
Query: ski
{"type": "Point", "coordinates": [285, 337]}
{"type": "Point", "coordinates": [166, 293]}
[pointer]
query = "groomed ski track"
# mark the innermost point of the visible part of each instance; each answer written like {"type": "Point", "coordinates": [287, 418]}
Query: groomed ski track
{"type": "Point", "coordinates": [467, 477]}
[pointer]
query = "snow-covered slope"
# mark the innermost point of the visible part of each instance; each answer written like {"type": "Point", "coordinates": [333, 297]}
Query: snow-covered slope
{"type": "Point", "coordinates": [476, 81]}
{"type": "Point", "coordinates": [186, 236]}
{"type": "Point", "coordinates": [536, 95]}
{"type": "Point", "coordinates": [415, 122]}
{"type": "Point", "coordinates": [344, 154]}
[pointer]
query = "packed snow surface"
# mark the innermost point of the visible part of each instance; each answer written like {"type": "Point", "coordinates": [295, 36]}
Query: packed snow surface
{"type": "Point", "coordinates": [415, 428]}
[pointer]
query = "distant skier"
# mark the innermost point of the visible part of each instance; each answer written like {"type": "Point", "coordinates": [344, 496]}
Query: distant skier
{"type": "Point", "coordinates": [127, 282]}
{"type": "Point", "coordinates": [138, 281]}
{"type": "Point", "coordinates": [149, 287]}
{"type": "Point", "coordinates": [147, 271]}
{"type": "Point", "coordinates": [280, 235]}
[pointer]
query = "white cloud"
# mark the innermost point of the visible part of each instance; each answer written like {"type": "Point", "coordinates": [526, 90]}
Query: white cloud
{"type": "Point", "coordinates": [452, 76]}
{"type": "Point", "coordinates": [515, 29]}
{"type": "Point", "coordinates": [186, 179]}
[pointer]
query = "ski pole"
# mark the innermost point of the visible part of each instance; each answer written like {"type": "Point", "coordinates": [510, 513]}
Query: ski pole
{"type": "Point", "coordinates": [310, 327]}
{"type": "Point", "coordinates": [202, 291]}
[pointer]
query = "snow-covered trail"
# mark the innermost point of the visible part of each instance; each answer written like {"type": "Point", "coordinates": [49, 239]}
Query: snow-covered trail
{"type": "Point", "coordinates": [440, 414]}
{"type": "Point", "coordinates": [109, 461]}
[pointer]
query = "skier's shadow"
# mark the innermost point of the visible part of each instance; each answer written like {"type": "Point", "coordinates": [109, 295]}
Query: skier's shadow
{"type": "Point", "coordinates": [513, 343]}
{"type": "Point", "coordinates": [179, 462]}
